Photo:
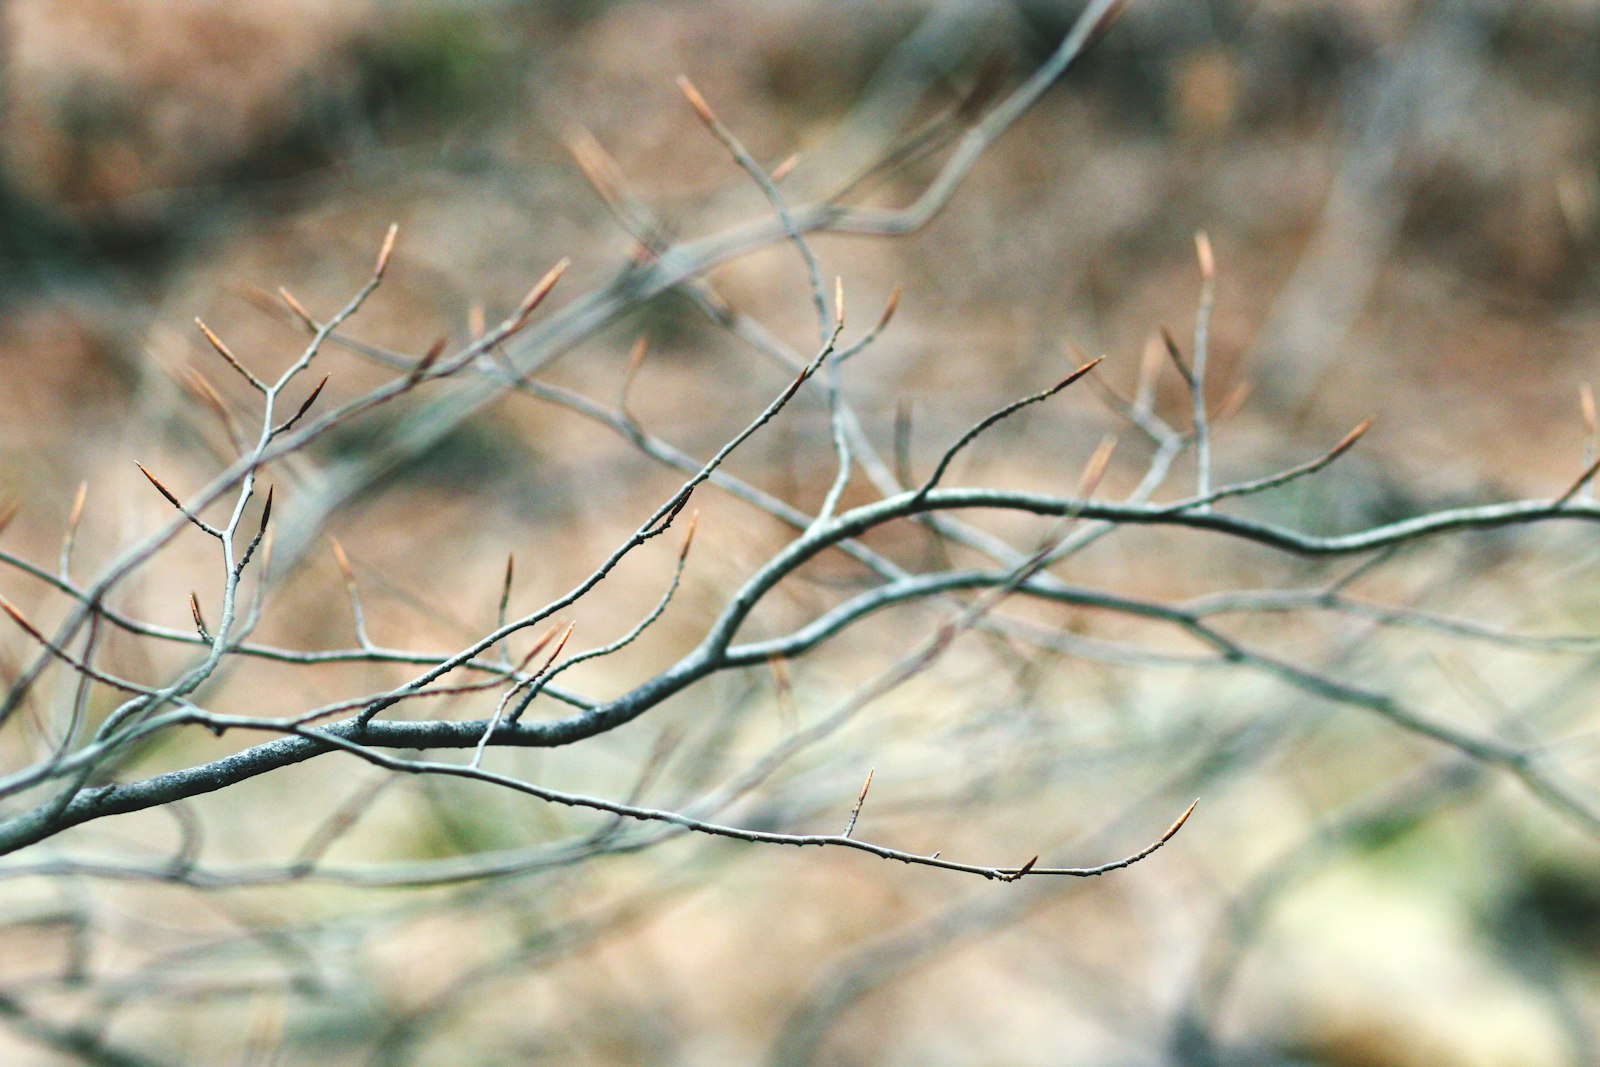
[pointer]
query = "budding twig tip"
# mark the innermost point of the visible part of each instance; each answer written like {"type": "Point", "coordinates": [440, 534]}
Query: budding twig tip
{"type": "Point", "coordinates": [1208, 264]}
{"type": "Point", "coordinates": [696, 101]}
{"type": "Point", "coordinates": [387, 250]}
{"type": "Point", "coordinates": [1178, 824]}
{"type": "Point", "coordinates": [688, 535]}
{"type": "Point", "coordinates": [72, 516]}
{"type": "Point", "coordinates": [888, 311]}
{"type": "Point", "coordinates": [299, 309]}
{"type": "Point", "coordinates": [342, 560]}
{"type": "Point", "coordinates": [540, 290]}
{"type": "Point", "coordinates": [159, 487]}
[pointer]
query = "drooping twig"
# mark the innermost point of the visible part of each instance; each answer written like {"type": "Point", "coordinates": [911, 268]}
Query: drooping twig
{"type": "Point", "coordinates": [993, 417]}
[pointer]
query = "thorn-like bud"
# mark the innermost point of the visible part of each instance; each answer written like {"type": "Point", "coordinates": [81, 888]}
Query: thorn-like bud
{"type": "Point", "coordinates": [77, 507]}
{"type": "Point", "coordinates": [159, 487]}
{"type": "Point", "coordinates": [342, 560]}
{"type": "Point", "coordinates": [229, 357]}
{"type": "Point", "coordinates": [1178, 825]}
{"type": "Point", "coordinates": [696, 101]}
{"type": "Point", "coordinates": [1095, 469]}
{"type": "Point", "coordinates": [838, 302]}
{"type": "Point", "coordinates": [387, 250]}
{"type": "Point", "coordinates": [429, 358]}
{"type": "Point", "coordinates": [299, 309]}
{"type": "Point", "coordinates": [1350, 438]}
{"type": "Point", "coordinates": [541, 290]}
{"type": "Point", "coordinates": [199, 620]}
{"type": "Point", "coordinates": [688, 535]}
{"type": "Point", "coordinates": [21, 620]}
{"type": "Point", "coordinates": [1208, 264]}
{"type": "Point", "coordinates": [595, 164]}
{"type": "Point", "coordinates": [783, 170]}
{"type": "Point", "coordinates": [888, 311]}
{"type": "Point", "coordinates": [305, 405]}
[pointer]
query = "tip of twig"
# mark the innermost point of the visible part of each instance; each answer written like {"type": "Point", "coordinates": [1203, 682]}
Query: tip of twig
{"type": "Point", "coordinates": [688, 535]}
{"type": "Point", "coordinates": [561, 643]}
{"type": "Point", "coordinates": [298, 308]}
{"type": "Point", "coordinates": [635, 361]}
{"type": "Point", "coordinates": [429, 358]}
{"type": "Point", "coordinates": [266, 508]}
{"type": "Point", "coordinates": [1178, 823]}
{"type": "Point", "coordinates": [1078, 372]}
{"type": "Point", "coordinates": [194, 609]}
{"type": "Point", "coordinates": [1586, 402]}
{"type": "Point", "coordinates": [228, 356]}
{"type": "Point", "coordinates": [159, 487]}
{"type": "Point", "coordinates": [540, 290]}
{"type": "Point", "coordinates": [386, 251]}
{"type": "Point", "coordinates": [594, 164]}
{"type": "Point", "coordinates": [838, 302]}
{"type": "Point", "coordinates": [305, 405]}
{"type": "Point", "coordinates": [1024, 869]}
{"type": "Point", "coordinates": [72, 516]}
{"type": "Point", "coordinates": [21, 620]}
{"type": "Point", "coordinates": [1095, 469]}
{"type": "Point", "coordinates": [1350, 438]}
{"type": "Point", "coordinates": [342, 560]}
{"type": "Point", "coordinates": [696, 101]}
{"type": "Point", "coordinates": [783, 170]}
{"type": "Point", "coordinates": [888, 311]}
{"type": "Point", "coordinates": [1208, 264]}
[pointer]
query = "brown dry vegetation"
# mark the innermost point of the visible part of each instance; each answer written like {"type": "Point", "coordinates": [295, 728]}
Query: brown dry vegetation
{"type": "Point", "coordinates": [1405, 205]}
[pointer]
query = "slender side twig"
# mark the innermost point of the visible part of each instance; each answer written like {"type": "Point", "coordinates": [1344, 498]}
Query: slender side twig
{"type": "Point", "coordinates": [991, 419]}
{"type": "Point", "coordinates": [1202, 347]}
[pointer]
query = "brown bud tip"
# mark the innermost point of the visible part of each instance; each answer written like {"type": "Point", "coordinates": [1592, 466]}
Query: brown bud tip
{"type": "Point", "coordinates": [696, 101]}
{"type": "Point", "coordinates": [1208, 264]}
{"type": "Point", "coordinates": [299, 309]}
{"type": "Point", "coordinates": [782, 170]}
{"type": "Point", "coordinates": [688, 535]}
{"type": "Point", "coordinates": [387, 250]}
{"type": "Point", "coordinates": [159, 487]}
{"type": "Point", "coordinates": [541, 290]}
{"type": "Point", "coordinates": [1350, 438]}
{"type": "Point", "coordinates": [18, 618]}
{"type": "Point", "coordinates": [77, 506]}
{"type": "Point", "coordinates": [342, 560]}
{"type": "Point", "coordinates": [1178, 824]}
{"type": "Point", "coordinates": [888, 311]}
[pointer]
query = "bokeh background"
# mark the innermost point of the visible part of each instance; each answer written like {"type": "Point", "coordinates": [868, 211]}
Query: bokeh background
{"type": "Point", "coordinates": [1404, 202]}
